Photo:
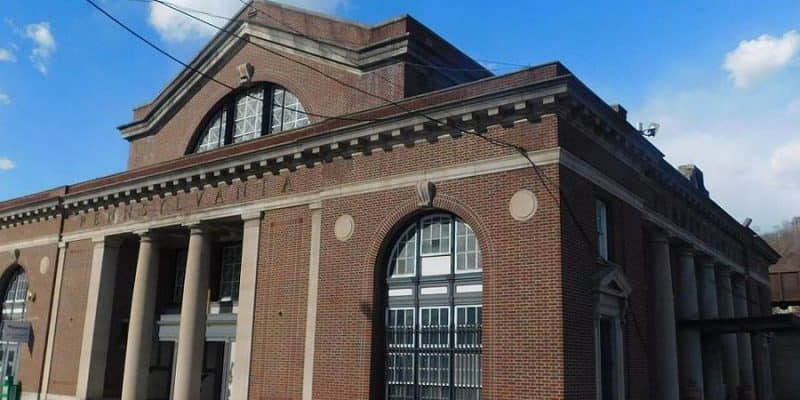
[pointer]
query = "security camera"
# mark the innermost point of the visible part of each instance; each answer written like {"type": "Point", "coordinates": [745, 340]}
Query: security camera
{"type": "Point", "coordinates": [651, 130]}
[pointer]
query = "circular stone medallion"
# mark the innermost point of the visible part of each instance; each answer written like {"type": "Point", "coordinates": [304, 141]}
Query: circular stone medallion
{"type": "Point", "coordinates": [44, 265]}
{"type": "Point", "coordinates": [523, 205]}
{"type": "Point", "coordinates": [343, 229]}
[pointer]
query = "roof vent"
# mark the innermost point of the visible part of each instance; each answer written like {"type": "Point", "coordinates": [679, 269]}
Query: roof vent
{"type": "Point", "coordinates": [695, 177]}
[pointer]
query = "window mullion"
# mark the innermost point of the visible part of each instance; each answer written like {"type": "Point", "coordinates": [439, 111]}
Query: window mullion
{"type": "Point", "coordinates": [230, 106]}
{"type": "Point", "coordinates": [451, 306]}
{"type": "Point", "coordinates": [417, 317]}
{"type": "Point", "coordinates": [267, 105]}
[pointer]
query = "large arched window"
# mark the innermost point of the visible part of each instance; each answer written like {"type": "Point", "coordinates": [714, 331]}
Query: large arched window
{"type": "Point", "coordinates": [13, 309]}
{"type": "Point", "coordinates": [434, 312]}
{"type": "Point", "coordinates": [247, 114]}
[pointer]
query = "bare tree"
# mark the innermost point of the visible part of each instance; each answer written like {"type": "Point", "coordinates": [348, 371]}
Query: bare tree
{"type": "Point", "coordinates": [785, 238]}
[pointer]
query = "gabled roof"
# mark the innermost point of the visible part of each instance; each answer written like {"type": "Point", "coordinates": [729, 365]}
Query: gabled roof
{"type": "Point", "coordinates": [349, 45]}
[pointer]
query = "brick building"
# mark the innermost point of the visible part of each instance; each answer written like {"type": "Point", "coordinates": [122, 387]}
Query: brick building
{"type": "Point", "coordinates": [369, 213]}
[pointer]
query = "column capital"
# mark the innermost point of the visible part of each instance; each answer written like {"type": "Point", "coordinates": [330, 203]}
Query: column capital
{"type": "Point", "coordinates": [251, 215]}
{"type": "Point", "coordinates": [198, 227]}
{"type": "Point", "coordinates": [145, 235]}
{"type": "Point", "coordinates": [107, 241]}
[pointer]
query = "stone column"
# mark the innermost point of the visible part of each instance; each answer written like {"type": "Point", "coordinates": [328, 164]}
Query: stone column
{"type": "Point", "coordinates": [311, 305]}
{"type": "Point", "coordinates": [766, 309]}
{"type": "Point", "coordinates": [51, 330]}
{"type": "Point", "coordinates": [142, 321]}
{"type": "Point", "coordinates": [192, 331]}
{"type": "Point", "coordinates": [689, 346]}
{"type": "Point", "coordinates": [97, 320]}
{"type": "Point", "coordinates": [730, 348]}
{"type": "Point", "coordinates": [247, 298]}
{"type": "Point", "coordinates": [664, 341]}
{"type": "Point", "coordinates": [740, 307]}
{"type": "Point", "coordinates": [712, 344]}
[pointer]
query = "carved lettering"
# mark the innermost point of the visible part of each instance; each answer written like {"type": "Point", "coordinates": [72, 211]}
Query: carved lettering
{"type": "Point", "coordinates": [219, 199]}
{"type": "Point", "coordinates": [287, 185]}
{"type": "Point", "coordinates": [241, 191]}
{"type": "Point", "coordinates": [129, 212]}
{"type": "Point", "coordinates": [199, 197]}
{"type": "Point", "coordinates": [161, 204]}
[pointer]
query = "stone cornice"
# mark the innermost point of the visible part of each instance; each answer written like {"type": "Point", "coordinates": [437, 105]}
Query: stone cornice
{"type": "Point", "coordinates": [499, 108]}
{"type": "Point", "coordinates": [563, 95]}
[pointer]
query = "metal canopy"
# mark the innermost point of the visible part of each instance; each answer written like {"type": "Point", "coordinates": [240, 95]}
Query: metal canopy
{"type": "Point", "coordinates": [770, 323]}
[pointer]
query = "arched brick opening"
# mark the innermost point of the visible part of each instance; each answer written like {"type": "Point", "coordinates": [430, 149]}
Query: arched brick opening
{"type": "Point", "coordinates": [378, 254]}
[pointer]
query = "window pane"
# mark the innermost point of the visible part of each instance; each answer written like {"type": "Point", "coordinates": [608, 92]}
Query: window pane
{"type": "Point", "coordinates": [434, 326]}
{"type": "Point", "coordinates": [287, 112]}
{"type": "Point", "coordinates": [248, 114]}
{"type": "Point", "coordinates": [400, 327]}
{"type": "Point", "coordinates": [294, 115]}
{"type": "Point", "coordinates": [15, 298]}
{"type": "Point", "coordinates": [468, 255]}
{"type": "Point", "coordinates": [231, 267]}
{"type": "Point", "coordinates": [435, 235]}
{"type": "Point", "coordinates": [404, 255]}
{"type": "Point", "coordinates": [214, 135]}
{"type": "Point", "coordinates": [469, 321]}
{"type": "Point", "coordinates": [602, 229]}
{"type": "Point", "coordinates": [434, 375]}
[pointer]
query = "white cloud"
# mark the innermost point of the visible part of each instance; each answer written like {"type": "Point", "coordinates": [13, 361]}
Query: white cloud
{"type": "Point", "coordinates": [785, 161]}
{"type": "Point", "coordinates": [45, 44]}
{"type": "Point", "coordinates": [793, 108]}
{"type": "Point", "coordinates": [7, 55]}
{"type": "Point", "coordinates": [745, 143]}
{"type": "Point", "coordinates": [754, 60]}
{"type": "Point", "coordinates": [176, 27]}
{"type": "Point", "coordinates": [6, 164]}
{"type": "Point", "coordinates": [4, 99]}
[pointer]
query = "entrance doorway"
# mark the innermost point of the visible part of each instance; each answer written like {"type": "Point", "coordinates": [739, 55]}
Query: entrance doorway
{"type": "Point", "coordinates": [216, 378]}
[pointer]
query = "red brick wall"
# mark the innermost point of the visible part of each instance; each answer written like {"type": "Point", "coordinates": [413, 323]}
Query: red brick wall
{"type": "Point", "coordinates": [70, 320]}
{"type": "Point", "coordinates": [579, 264]}
{"type": "Point", "coordinates": [522, 286]}
{"type": "Point", "coordinates": [318, 94]}
{"type": "Point", "coordinates": [38, 263]}
{"type": "Point", "coordinates": [280, 305]}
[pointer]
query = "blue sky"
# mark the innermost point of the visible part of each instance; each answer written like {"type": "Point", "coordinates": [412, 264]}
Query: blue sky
{"type": "Point", "coordinates": [722, 78]}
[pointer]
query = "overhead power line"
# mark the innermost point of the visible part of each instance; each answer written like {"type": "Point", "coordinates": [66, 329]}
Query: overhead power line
{"type": "Point", "coordinates": [203, 74]}
{"type": "Point", "coordinates": [494, 141]}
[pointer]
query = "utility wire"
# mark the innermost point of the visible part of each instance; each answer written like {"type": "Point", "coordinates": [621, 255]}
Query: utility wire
{"type": "Point", "coordinates": [207, 76]}
{"type": "Point", "coordinates": [495, 141]}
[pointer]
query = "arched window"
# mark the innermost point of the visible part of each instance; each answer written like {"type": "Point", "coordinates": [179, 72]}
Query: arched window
{"type": "Point", "coordinates": [434, 312]}
{"type": "Point", "coordinates": [13, 309]}
{"type": "Point", "coordinates": [247, 114]}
